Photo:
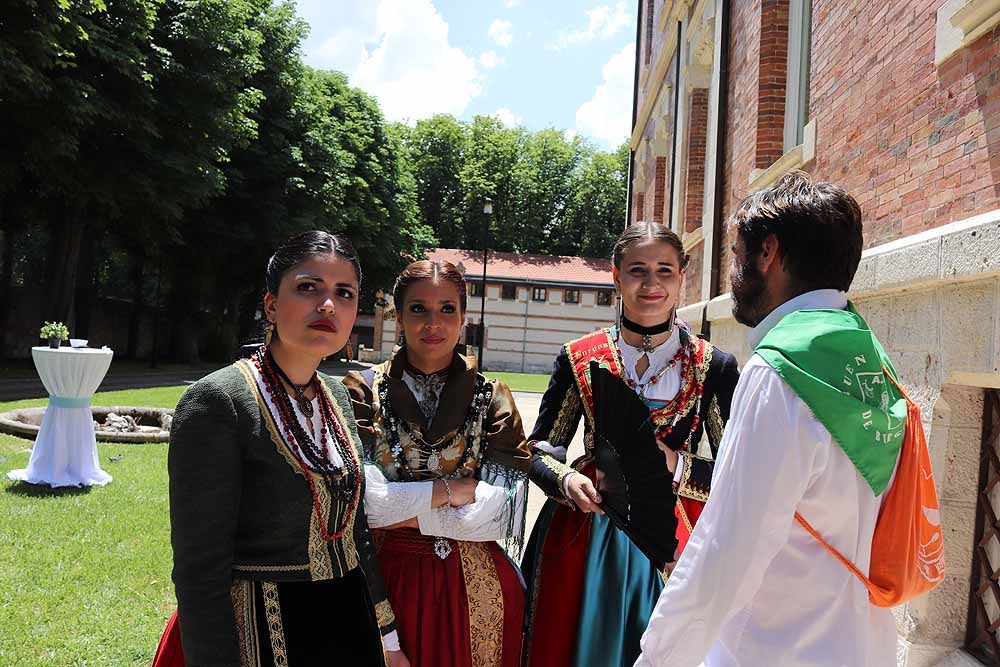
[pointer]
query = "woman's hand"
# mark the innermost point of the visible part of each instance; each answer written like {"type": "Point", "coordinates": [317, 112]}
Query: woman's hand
{"type": "Point", "coordinates": [463, 491]}
{"type": "Point", "coordinates": [669, 454]}
{"type": "Point", "coordinates": [396, 659]}
{"type": "Point", "coordinates": [581, 491]}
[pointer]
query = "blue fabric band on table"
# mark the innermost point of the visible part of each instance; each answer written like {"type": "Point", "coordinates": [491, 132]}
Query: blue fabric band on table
{"type": "Point", "coordinates": [60, 402]}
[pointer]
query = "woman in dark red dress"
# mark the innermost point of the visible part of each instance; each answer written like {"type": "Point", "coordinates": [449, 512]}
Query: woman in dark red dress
{"type": "Point", "coordinates": [450, 447]}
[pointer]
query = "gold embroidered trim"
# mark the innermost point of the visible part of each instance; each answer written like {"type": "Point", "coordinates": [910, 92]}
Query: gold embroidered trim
{"type": "Point", "coordinates": [684, 516]}
{"type": "Point", "coordinates": [383, 614]}
{"type": "Point", "coordinates": [685, 488]}
{"type": "Point", "coordinates": [275, 626]}
{"type": "Point", "coordinates": [269, 422]}
{"type": "Point", "coordinates": [348, 546]}
{"type": "Point", "coordinates": [482, 589]}
{"type": "Point", "coordinates": [715, 424]}
{"type": "Point", "coordinates": [570, 408]}
{"type": "Point", "coordinates": [666, 414]}
{"type": "Point", "coordinates": [560, 469]}
{"type": "Point", "coordinates": [241, 593]}
{"type": "Point", "coordinates": [271, 568]}
{"type": "Point", "coordinates": [320, 565]}
{"type": "Point", "coordinates": [616, 357]}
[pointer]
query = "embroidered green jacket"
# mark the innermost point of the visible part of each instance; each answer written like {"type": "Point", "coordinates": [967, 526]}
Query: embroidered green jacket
{"type": "Point", "coordinates": [241, 508]}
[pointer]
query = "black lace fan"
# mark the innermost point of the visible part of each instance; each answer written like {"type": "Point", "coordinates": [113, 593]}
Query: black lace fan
{"type": "Point", "coordinates": [637, 490]}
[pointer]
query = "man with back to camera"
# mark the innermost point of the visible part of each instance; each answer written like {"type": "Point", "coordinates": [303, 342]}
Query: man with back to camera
{"type": "Point", "coordinates": [815, 429]}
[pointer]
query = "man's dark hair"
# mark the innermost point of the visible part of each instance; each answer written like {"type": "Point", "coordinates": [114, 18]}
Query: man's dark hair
{"type": "Point", "coordinates": [817, 224]}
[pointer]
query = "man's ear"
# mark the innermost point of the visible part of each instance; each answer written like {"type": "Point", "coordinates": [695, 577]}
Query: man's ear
{"type": "Point", "coordinates": [769, 257]}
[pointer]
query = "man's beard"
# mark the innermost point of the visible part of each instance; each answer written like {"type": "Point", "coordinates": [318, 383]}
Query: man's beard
{"type": "Point", "coordinates": [748, 287]}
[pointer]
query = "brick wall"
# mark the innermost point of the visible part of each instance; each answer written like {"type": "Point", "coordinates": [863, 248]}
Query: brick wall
{"type": "Point", "coordinates": [740, 133]}
{"type": "Point", "coordinates": [918, 145]}
{"type": "Point", "coordinates": [771, 79]}
{"type": "Point", "coordinates": [694, 190]}
{"type": "Point", "coordinates": [692, 277]}
{"type": "Point", "coordinates": [660, 191]}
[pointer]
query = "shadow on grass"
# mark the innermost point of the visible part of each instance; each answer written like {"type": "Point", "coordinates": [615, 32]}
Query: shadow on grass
{"type": "Point", "coordinates": [26, 490]}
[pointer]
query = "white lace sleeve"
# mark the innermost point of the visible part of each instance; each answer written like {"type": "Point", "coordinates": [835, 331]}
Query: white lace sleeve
{"type": "Point", "coordinates": [387, 503]}
{"type": "Point", "coordinates": [485, 520]}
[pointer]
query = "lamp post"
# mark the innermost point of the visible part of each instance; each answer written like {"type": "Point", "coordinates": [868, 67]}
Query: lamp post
{"type": "Point", "coordinates": [487, 212]}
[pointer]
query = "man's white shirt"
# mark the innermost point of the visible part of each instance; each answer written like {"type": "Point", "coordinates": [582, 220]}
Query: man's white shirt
{"type": "Point", "coordinates": [752, 587]}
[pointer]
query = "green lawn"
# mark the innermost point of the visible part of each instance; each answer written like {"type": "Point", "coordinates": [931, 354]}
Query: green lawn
{"type": "Point", "coordinates": [86, 572]}
{"type": "Point", "coordinates": [521, 381]}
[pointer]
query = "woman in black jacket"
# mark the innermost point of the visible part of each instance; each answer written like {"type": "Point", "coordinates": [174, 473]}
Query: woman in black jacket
{"type": "Point", "coordinates": [273, 562]}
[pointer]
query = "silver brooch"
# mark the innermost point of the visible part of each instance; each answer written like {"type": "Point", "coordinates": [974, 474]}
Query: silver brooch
{"type": "Point", "coordinates": [442, 548]}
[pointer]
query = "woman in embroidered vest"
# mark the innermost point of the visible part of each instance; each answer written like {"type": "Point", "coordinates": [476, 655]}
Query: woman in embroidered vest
{"type": "Point", "coordinates": [590, 590]}
{"type": "Point", "coordinates": [273, 562]}
{"type": "Point", "coordinates": [444, 435]}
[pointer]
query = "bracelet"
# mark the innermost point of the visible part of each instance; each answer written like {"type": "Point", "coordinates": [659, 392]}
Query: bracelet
{"type": "Point", "coordinates": [447, 487]}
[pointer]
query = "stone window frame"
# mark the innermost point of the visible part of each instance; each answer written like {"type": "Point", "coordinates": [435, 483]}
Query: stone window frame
{"type": "Point", "coordinates": [796, 102]}
{"type": "Point", "coordinates": [798, 75]}
{"type": "Point", "coordinates": [539, 294]}
{"type": "Point", "coordinates": [962, 22]}
{"type": "Point", "coordinates": [508, 292]}
{"type": "Point", "coordinates": [566, 296]}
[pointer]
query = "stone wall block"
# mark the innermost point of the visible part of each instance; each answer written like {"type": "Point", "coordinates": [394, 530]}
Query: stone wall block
{"type": "Point", "coordinates": [864, 279]}
{"type": "Point", "coordinates": [947, 608]}
{"type": "Point", "coordinates": [731, 336]}
{"type": "Point", "coordinates": [915, 322]}
{"type": "Point", "coordinates": [910, 265]}
{"type": "Point", "coordinates": [878, 312]}
{"type": "Point", "coordinates": [958, 523]}
{"type": "Point", "coordinates": [961, 475]}
{"type": "Point", "coordinates": [965, 404]}
{"type": "Point", "coordinates": [939, 655]}
{"type": "Point", "coordinates": [971, 252]}
{"type": "Point", "coordinates": [967, 313]}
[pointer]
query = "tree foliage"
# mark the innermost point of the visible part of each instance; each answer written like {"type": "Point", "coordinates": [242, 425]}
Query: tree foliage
{"type": "Point", "coordinates": [158, 150]}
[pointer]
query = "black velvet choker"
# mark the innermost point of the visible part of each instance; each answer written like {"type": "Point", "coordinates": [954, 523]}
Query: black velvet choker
{"type": "Point", "coordinates": [663, 327]}
{"type": "Point", "coordinates": [647, 333]}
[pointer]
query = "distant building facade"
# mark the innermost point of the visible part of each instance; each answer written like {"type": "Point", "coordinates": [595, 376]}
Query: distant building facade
{"type": "Point", "coordinates": [534, 304]}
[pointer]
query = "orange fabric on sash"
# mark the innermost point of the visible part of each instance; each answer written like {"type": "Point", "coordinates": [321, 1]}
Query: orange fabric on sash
{"type": "Point", "coordinates": [907, 557]}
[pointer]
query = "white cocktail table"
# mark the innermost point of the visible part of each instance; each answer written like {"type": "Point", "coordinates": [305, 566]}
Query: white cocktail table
{"type": "Point", "coordinates": [65, 451]}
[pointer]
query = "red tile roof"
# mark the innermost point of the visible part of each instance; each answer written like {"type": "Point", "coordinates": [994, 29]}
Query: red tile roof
{"type": "Point", "coordinates": [529, 268]}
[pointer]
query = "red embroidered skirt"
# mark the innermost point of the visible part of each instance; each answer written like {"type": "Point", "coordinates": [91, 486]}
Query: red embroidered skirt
{"type": "Point", "coordinates": [448, 609]}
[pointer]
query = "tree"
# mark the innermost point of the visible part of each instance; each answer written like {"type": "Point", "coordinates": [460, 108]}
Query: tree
{"type": "Point", "coordinates": [595, 214]}
{"type": "Point", "coordinates": [491, 159]}
{"type": "Point", "coordinates": [436, 151]}
{"type": "Point", "coordinates": [544, 182]}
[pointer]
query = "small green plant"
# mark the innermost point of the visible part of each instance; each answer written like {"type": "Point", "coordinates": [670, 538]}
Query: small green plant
{"type": "Point", "coordinates": [56, 330]}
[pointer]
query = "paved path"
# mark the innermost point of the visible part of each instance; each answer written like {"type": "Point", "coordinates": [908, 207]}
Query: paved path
{"type": "Point", "coordinates": [527, 405]}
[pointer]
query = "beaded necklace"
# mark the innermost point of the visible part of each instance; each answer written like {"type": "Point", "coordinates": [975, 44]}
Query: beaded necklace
{"type": "Point", "coordinates": [693, 350]}
{"type": "Point", "coordinates": [640, 387]}
{"type": "Point", "coordinates": [481, 398]}
{"type": "Point", "coordinates": [305, 405]}
{"type": "Point", "coordinates": [310, 456]}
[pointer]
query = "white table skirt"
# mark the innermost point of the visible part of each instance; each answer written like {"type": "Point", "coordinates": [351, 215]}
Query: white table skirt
{"type": "Point", "coordinates": [65, 451]}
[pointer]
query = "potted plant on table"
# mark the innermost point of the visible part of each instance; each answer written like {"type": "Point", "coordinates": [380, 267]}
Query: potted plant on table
{"type": "Point", "coordinates": [55, 333]}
